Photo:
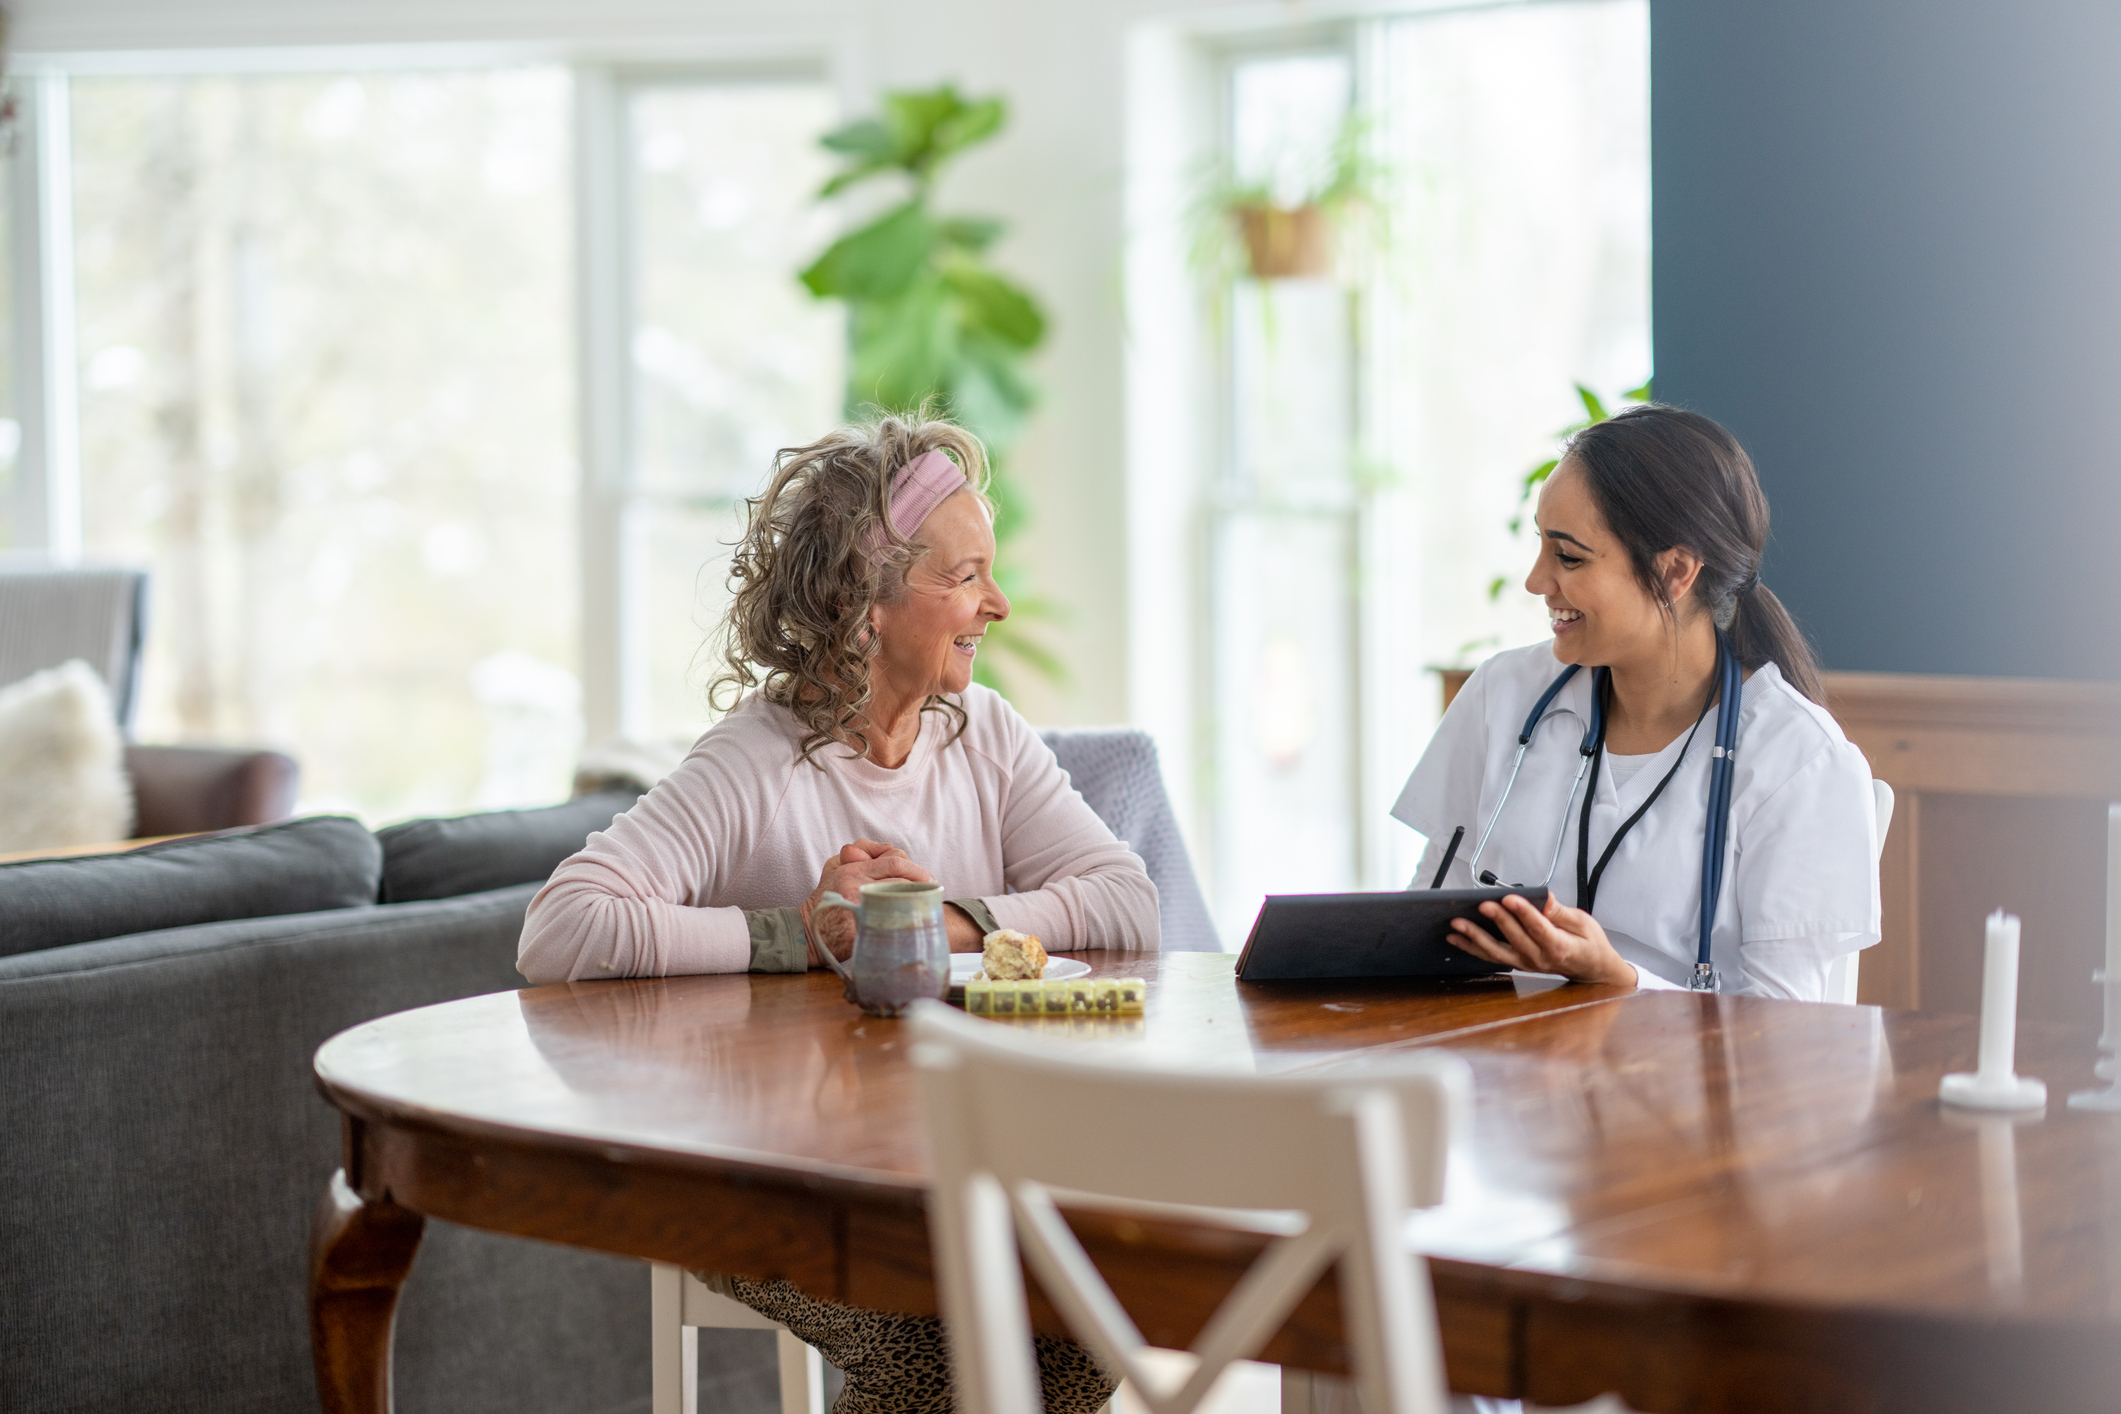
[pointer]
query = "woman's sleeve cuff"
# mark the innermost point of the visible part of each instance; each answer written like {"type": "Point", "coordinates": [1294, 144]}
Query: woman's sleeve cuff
{"type": "Point", "coordinates": [777, 940]}
{"type": "Point", "coordinates": [978, 912]}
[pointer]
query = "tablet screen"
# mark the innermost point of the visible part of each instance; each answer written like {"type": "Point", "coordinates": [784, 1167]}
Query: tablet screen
{"type": "Point", "coordinates": [1405, 933]}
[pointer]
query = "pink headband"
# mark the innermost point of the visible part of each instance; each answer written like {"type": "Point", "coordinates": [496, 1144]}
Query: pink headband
{"type": "Point", "coordinates": [920, 486]}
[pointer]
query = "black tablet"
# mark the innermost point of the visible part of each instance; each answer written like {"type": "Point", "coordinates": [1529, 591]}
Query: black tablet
{"type": "Point", "coordinates": [1401, 934]}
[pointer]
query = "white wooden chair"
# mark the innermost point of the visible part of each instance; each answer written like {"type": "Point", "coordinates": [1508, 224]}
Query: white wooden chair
{"type": "Point", "coordinates": [1841, 976]}
{"type": "Point", "coordinates": [681, 1305]}
{"type": "Point", "coordinates": [1326, 1165]}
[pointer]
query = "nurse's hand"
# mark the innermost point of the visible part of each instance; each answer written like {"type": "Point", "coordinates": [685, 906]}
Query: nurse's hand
{"type": "Point", "coordinates": [1562, 940]}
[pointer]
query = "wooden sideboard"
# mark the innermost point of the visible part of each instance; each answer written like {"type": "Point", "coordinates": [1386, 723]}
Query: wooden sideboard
{"type": "Point", "coordinates": [2001, 787]}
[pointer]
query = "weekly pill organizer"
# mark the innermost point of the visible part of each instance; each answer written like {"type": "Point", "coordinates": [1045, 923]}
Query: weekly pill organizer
{"type": "Point", "coordinates": [1046, 996]}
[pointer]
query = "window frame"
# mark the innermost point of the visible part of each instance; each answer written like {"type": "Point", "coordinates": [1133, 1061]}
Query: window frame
{"type": "Point", "coordinates": [616, 668]}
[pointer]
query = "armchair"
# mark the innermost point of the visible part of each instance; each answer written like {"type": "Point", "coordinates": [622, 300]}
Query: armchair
{"type": "Point", "coordinates": [52, 613]}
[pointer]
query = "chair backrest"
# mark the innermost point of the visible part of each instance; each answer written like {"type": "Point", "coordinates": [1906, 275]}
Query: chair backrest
{"type": "Point", "coordinates": [50, 614]}
{"type": "Point", "coordinates": [1882, 796]}
{"type": "Point", "coordinates": [1328, 1164]}
{"type": "Point", "coordinates": [1116, 770]}
{"type": "Point", "coordinates": [1841, 973]}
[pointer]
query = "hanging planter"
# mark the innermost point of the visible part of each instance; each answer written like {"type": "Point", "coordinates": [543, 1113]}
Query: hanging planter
{"type": "Point", "coordinates": [1286, 243]}
{"type": "Point", "coordinates": [1290, 224]}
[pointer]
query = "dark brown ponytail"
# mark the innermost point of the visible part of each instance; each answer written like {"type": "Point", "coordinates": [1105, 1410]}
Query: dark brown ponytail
{"type": "Point", "coordinates": [1665, 477]}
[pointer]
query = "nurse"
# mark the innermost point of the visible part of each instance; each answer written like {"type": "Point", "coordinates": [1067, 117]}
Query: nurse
{"type": "Point", "coordinates": [1651, 532]}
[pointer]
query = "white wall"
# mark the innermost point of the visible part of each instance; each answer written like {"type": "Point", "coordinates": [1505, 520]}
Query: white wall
{"type": "Point", "coordinates": [1056, 175]}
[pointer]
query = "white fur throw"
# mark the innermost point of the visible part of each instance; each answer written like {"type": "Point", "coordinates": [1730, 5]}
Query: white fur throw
{"type": "Point", "coordinates": [62, 763]}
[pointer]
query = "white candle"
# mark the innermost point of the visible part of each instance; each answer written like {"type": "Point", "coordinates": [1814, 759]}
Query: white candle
{"type": "Point", "coordinates": [1999, 999]}
{"type": "Point", "coordinates": [2113, 894]}
{"type": "Point", "coordinates": [2109, 1068]}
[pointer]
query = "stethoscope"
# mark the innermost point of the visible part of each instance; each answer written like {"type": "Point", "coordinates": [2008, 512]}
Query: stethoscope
{"type": "Point", "coordinates": [1729, 685]}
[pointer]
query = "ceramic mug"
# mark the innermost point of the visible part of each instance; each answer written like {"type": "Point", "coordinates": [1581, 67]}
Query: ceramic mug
{"type": "Point", "coordinates": [901, 947]}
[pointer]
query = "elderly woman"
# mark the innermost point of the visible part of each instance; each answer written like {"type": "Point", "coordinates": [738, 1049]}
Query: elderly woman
{"type": "Point", "coordinates": [860, 750]}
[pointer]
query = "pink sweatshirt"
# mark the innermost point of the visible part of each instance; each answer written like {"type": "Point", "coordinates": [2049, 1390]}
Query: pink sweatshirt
{"type": "Point", "coordinates": [745, 823]}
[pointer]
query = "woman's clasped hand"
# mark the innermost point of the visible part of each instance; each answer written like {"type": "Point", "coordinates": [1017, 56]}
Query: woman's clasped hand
{"type": "Point", "coordinates": [859, 863]}
{"type": "Point", "coordinates": [870, 862]}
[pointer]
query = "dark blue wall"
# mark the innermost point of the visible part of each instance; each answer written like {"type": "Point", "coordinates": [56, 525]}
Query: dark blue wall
{"type": "Point", "coordinates": [1888, 257]}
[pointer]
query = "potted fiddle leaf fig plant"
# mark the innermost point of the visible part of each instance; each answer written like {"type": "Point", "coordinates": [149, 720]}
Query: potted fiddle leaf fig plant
{"type": "Point", "coordinates": [931, 322]}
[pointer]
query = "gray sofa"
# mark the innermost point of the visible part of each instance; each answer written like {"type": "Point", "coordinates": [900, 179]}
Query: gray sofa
{"type": "Point", "coordinates": [162, 1146]}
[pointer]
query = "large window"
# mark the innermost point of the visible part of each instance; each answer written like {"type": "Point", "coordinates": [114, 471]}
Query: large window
{"type": "Point", "coordinates": [730, 359]}
{"type": "Point", "coordinates": [1520, 269]}
{"type": "Point", "coordinates": [334, 337]}
{"type": "Point", "coordinates": [1363, 429]}
{"type": "Point", "coordinates": [325, 398]}
{"type": "Point", "coordinates": [1283, 518]}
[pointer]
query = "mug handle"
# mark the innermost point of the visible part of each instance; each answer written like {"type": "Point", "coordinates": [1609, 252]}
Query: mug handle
{"type": "Point", "coordinates": [832, 900]}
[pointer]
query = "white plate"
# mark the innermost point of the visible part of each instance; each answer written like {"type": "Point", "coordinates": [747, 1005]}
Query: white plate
{"type": "Point", "coordinates": [963, 965]}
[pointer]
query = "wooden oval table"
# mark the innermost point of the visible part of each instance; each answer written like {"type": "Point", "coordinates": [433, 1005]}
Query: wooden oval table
{"type": "Point", "coordinates": [1703, 1203]}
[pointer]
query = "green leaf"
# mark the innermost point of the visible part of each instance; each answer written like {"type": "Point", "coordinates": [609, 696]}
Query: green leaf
{"type": "Point", "coordinates": [971, 234]}
{"type": "Point", "coordinates": [1539, 473]}
{"type": "Point", "coordinates": [879, 261]}
{"type": "Point", "coordinates": [1496, 585]}
{"type": "Point", "coordinates": [992, 305]}
{"type": "Point", "coordinates": [860, 172]}
{"type": "Point", "coordinates": [969, 126]}
{"type": "Point", "coordinates": [915, 113]}
{"type": "Point", "coordinates": [1639, 395]}
{"type": "Point", "coordinates": [1591, 405]}
{"type": "Point", "coordinates": [867, 138]}
{"type": "Point", "coordinates": [902, 350]}
{"type": "Point", "coordinates": [989, 391]}
{"type": "Point", "coordinates": [873, 148]}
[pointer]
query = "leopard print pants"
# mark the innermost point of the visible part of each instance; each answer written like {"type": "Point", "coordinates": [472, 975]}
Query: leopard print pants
{"type": "Point", "coordinates": [901, 1364]}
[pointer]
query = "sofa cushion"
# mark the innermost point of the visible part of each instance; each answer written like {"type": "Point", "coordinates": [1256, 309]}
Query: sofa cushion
{"type": "Point", "coordinates": [469, 854]}
{"type": "Point", "coordinates": [300, 866]}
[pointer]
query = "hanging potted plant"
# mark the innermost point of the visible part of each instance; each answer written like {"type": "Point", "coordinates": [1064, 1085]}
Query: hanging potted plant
{"type": "Point", "coordinates": [1289, 226]}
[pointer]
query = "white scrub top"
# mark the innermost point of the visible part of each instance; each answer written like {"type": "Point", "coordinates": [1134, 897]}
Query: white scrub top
{"type": "Point", "coordinates": [1800, 884]}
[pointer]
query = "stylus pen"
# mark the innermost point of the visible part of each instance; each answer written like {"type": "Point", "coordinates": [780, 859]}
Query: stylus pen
{"type": "Point", "coordinates": [1450, 852]}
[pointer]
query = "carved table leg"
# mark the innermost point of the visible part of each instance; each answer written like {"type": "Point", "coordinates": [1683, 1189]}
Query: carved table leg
{"type": "Point", "coordinates": [359, 1255]}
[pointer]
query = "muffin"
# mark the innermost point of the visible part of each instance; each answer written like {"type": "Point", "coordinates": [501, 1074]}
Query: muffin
{"type": "Point", "coordinates": [1010, 956]}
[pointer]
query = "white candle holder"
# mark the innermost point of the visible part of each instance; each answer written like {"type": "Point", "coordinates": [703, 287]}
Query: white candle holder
{"type": "Point", "coordinates": [2109, 1069]}
{"type": "Point", "coordinates": [1975, 1091]}
{"type": "Point", "coordinates": [1995, 1083]}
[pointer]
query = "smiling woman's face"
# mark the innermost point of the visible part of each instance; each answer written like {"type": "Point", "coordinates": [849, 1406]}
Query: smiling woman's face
{"type": "Point", "coordinates": [1600, 612]}
{"type": "Point", "coordinates": [929, 638]}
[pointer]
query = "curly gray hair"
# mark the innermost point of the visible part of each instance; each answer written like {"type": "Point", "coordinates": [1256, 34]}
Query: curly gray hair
{"type": "Point", "coordinates": [818, 552]}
